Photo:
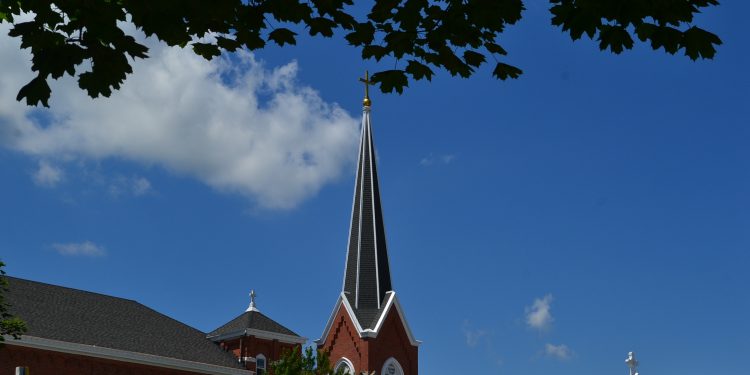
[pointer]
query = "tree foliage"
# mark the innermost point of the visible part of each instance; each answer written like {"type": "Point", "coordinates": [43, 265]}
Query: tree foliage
{"type": "Point", "coordinates": [421, 36]}
{"type": "Point", "coordinates": [9, 325]}
{"type": "Point", "coordinates": [295, 363]}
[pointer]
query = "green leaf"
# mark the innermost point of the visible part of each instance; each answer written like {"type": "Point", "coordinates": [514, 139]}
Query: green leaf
{"type": "Point", "coordinates": [667, 37]}
{"type": "Point", "coordinates": [454, 65]}
{"type": "Point", "coordinates": [207, 50]}
{"type": "Point", "coordinates": [374, 51]}
{"type": "Point", "coordinates": [699, 43]}
{"type": "Point", "coordinates": [228, 44]}
{"type": "Point", "coordinates": [419, 70]}
{"type": "Point", "coordinates": [473, 58]}
{"type": "Point", "coordinates": [615, 38]}
{"type": "Point", "coordinates": [321, 25]}
{"type": "Point", "coordinates": [35, 92]}
{"type": "Point", "coordinates": [495, 48]}
{"type": "Point", "coordinates": [288, 10]}
{"type": "Point", "coordinates": [282, 36]}
{"type": "Point", "coordinates": [505, 71]}
{"type": "Point", "coordinates": [133, 48]}
{"type": "Point", "coordinates": [391, 80]}
{"type": "Point", "coordinates": [363, 34]}
{"type": "Point", "coordinates": [645, 31]}
{"type": "Point", "coordinates": [400, 43]}
{"type": "Point", "coordinates": [250, 39]}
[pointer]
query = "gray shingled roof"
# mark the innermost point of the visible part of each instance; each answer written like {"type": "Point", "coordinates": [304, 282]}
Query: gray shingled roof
{"type": "Point", "coordinates": [252, 320]}
{"type": "Point", "coordinates": [77, 316]}
{"type": "Point", "coordinates": [367, 277]}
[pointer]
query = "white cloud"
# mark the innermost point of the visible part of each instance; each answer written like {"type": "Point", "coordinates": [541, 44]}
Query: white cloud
{"type": "Point", "coordinates": [47, 175]}
{"type": "Point", "coordinates": [432, 159]}
{"type": "Point", "coordinates": [230, 123]}
{"type": "Point", "coordinates": [561, 352]}
{"type": "Point", "coordinates": [538, 315]}
{"type": "Point", "coordinates": [141, 186]}
{"type": "Point", "coordinates": [137, 186]}
{"type": "Point", "coordinates": [473, 336]}
{"type": "Point", "coordinates": [86, 248]}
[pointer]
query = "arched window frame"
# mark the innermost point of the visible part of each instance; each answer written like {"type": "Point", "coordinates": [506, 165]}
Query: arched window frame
{"type": "Point", "coordinates": [344, 362]}
{"type": "Point", "coordinates": [389, 361]}
{"type": "Point", "coordinates": [260, 358]}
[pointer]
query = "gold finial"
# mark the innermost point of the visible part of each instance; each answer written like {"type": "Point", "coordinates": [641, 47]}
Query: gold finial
{"type": "Point", "coordinates": [366, 102]}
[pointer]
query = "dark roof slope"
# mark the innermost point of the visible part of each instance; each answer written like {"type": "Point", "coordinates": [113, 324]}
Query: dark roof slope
{"type": "Point", "coordinates": [367, 277]}
{"type": "Point", "coordinates": [72, 315]}
{"type": "Point", "coordinates": [252, 320]}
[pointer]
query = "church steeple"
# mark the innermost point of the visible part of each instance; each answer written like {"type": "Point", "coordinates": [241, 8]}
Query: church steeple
{"type": "Point", "coordinates": [367, 331]}
{"type": "Point", "coordinates": [367, 275]}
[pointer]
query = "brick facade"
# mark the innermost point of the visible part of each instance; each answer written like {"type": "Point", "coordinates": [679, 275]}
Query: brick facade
{"type": "Point", "coordinates": [392, 341]}
{"type": "Point", "coordinates": [251, 346]}
{"type": "Point", "coordinates": [45, 362]}
{"type": "Point", "coordinates": [370, 354]}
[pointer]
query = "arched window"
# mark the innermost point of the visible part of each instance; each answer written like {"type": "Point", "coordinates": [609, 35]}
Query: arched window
{"type": "Point", "coordinates": [392, 367]}
{"type": "Point", "coordinates": [260, 364]}
{"type": "Point", "coordinates": [344, 364]}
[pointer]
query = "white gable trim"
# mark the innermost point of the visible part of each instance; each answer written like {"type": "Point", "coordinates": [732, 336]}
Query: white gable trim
{"type": "Point", "coordinates": [123, 356]}
{"type": "Point", "coordinates": [281, 337]}
{"type": "Point", "coordinates": [339, 302]}
{"type": "Point", "coordinates": [391, 302]}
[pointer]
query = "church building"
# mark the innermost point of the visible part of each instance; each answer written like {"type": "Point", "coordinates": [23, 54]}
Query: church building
{"type": "Point", "coordinates": [73, 332]}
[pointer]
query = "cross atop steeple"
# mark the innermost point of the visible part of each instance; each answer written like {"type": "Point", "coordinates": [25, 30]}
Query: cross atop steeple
{"type": "Point", "coordinates": [366, 102]}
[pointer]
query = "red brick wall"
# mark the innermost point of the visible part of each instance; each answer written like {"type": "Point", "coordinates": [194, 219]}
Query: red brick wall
{"type": "Point", "coordinates": [370, 354]}
{"type": "Point", "coordinates": [344, 341]}
{"type": "Point", "coordinates": [392, 341]}
{"type": "Point", "coordinates": [44, 362]}
{"type": "Point", "coordinates": [251, 346]}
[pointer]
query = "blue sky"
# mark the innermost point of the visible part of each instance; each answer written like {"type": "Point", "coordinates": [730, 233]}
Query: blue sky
{"type": "Point", "coordinates": [597, 205]}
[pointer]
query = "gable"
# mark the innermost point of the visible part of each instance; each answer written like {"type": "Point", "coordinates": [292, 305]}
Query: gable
{"type": "Point", "coordinates": [392, 303]}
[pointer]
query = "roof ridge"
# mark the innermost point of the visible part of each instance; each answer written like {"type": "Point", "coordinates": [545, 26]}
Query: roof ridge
{"type": "Point", "coordinates": [74, 289]}
{"type": "Point", "coordinates": [109, 296]}
{"type": "Point", "coordinates": [247, 323]}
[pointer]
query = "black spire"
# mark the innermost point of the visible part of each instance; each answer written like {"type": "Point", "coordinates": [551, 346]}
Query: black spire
{"type": "Point", "coordinates": [367, 276]}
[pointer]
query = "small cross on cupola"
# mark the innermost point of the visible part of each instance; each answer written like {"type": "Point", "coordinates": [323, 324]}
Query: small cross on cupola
{"type": "Point", "coordinates": [252, 306]}
{"type": "Point", "coordinates": [632, 363]}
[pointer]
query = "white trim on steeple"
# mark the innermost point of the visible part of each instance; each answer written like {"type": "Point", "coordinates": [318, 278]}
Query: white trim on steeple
{"type": "Point", "coordinates": [361, 199]}
{"type": "Point", "coordinates": [385, 232]}
{"type": "Point", "coordinates": [371, 151]}
{"type": "Point", "coordinates": [354, 200]}
{"type": "Point", "coordinates": [392, 302]}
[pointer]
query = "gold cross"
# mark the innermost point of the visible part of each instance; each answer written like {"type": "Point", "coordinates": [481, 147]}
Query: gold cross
{"type": "Point", "coordinates": [367, 102]}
